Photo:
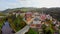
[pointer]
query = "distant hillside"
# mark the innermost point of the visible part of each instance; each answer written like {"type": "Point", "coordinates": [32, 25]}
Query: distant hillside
{"type": "Point", "coordinates": [55, 12]}
{"type": "Point", "coordinates": [16, 9]}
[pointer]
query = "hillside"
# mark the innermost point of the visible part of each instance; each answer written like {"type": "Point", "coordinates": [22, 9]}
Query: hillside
{"type": "Point", "coordinates": [17, 9]}
{"type": "Point", "coordinates": [54, 12]}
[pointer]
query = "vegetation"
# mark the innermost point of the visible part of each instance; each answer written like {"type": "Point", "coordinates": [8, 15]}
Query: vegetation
{"type": "Point", "coordinates": [54, 12]}
{"type": "Point", "coordinates": [48, 29]}
{"type": "Point", "coordinates": [1, 23]}
{"type": "Point", "coordinates": [17, 23]}
{"type": "Point", "coordinates": [31, 31]}
{"type": "Point", "coordinates": [1, 14]}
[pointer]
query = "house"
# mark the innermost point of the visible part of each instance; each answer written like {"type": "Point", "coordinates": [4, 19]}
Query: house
{"type": "Point", "coordinates": [36, 14]}
{"type": "Point", "coordinates": [49, 17]}
{"type": "Point", "coordinates": [42, 17]}
{"type": "Point", "coordinates": [28, 16]}
{"type": "Point", "coordinates": [36, 23]}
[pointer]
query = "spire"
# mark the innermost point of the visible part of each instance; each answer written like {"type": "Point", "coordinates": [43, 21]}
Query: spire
{"type": "Point", "coordinates": [42, 12]}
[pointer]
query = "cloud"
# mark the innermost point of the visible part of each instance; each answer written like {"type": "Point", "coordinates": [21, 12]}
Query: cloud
{"type": "Point", "coordinates": [40, 3]}
{"type": "Point", "coordinates": [28, 3]}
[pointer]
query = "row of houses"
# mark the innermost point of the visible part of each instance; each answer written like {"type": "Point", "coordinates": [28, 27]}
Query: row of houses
{"type": "Point", "coordinates": [15, 13]}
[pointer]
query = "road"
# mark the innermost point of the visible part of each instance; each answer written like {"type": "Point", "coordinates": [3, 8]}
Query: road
{"type": "Point", "coordinates": [24, 30]}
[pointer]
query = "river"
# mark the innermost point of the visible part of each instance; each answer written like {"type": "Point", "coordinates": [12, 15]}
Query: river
{"type": "Point", "coordinates": [6, 29]}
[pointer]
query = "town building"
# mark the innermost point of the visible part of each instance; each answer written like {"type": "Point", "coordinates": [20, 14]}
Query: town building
{"type": "Point", "coordinates": [28, 16]}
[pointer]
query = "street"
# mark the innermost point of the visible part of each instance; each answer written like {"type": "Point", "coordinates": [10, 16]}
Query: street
{"type": "Point", "coordinates": [24, 30]}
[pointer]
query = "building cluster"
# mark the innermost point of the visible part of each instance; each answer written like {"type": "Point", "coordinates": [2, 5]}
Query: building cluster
{"type": "Point", "coordinates": [16, 13]}
{"type": "Point", "coordinates": [39, 19]}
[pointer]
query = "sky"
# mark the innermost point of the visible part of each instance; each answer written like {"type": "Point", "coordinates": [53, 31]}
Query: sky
{"type": "Point", "coordinates": [5, 4]}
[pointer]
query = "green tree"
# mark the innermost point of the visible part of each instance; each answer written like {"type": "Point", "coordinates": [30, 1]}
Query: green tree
{"type": "Point", "coordinates": [19, 23]}
{"type": "Point", "coordinates": [31, 31]}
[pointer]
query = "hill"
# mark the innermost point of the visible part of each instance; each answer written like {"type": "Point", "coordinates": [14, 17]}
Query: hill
{"type": "Point", "coordinates": [54, 12]}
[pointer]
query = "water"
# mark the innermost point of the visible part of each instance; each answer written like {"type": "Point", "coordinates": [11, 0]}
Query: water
{"type": "Point", "coordinates": [6, 29]}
